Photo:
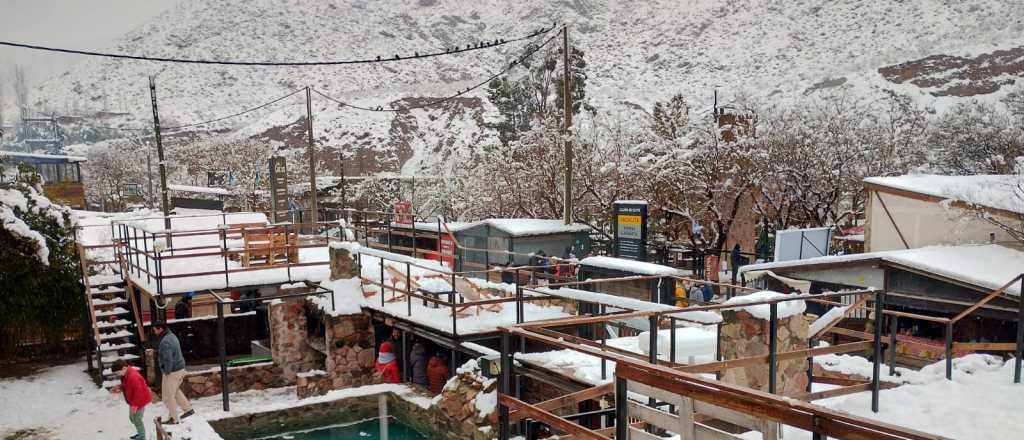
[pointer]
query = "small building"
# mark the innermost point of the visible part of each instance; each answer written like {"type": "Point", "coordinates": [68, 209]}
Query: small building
{"type": "Point", "coordinates": [939, 281]}
{"type": "Point", "coordinates": [657, 290]}
{"type": "Point", "coordinates": [907, 212]}
{"type": "Point", "coordinates": [62, 175]}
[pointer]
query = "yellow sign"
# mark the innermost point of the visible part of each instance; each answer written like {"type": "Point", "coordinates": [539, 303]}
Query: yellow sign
{"type": "Point", "coordinates": [629, 219]}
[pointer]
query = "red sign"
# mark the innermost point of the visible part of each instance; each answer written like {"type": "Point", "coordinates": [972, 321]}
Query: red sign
{"type": "Point", "coordinates": [403, 212]}
{"type": "Point", "coordinates": [446, 246]}
{"type": "Point", "coordinates": [711, 267]}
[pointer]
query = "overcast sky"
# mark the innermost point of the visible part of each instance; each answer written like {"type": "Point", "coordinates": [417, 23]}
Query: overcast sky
{"type": "Point", "coordinates": [78, 24]}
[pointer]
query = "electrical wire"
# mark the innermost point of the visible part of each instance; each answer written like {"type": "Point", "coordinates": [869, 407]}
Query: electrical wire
{"type": "Point", "coordinates": [510, 66]}
{"type": "Point", "coordinates": [261, 106]}
{"type": "Point", "coordinates": [449, 51]}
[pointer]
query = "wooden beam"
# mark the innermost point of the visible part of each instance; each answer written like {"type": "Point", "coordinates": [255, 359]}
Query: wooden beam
{"type": "Point", "coordinates": [540, 415]}
{"type": "Point", "coordinates": [756, 360]}
{"type": "Point", "coordinates": [850, 309]}
{"type": "Point", "coordinates": [841, 391]}
{"type": "Point", "coordinates": [985, 300]}
{"type": "Point", "coordinates": [568, 399]}
{"type": "Point", "coordinates": [984, 346]}
{"type": "Point", "coordinates": [587, 342]}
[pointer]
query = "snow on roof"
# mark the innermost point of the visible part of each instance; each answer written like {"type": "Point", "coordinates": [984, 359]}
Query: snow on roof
{"type": "Point", "coordinates": [606, 299]}
{"type": "Point", "coordinates": [534, 226]}
{"type": "Point", "coordinates": [432, 226]}
{"type": "Point", "coordinates": [988, 266]}
{"type": "Point", "coordinates": [989, 190]}
{"type": "Point", "coordinates": [624, 265]}
{"type": "Point", "coordinates": [784, 309]}
{"type": "Point", "coordinates": [199, 189]}
{"type": "Point", "coordinates": [631, 202]}
{"type": "Point", "coordinates": [43, 156]}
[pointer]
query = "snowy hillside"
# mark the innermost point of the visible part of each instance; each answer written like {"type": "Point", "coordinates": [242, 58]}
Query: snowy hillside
{"type": "Point", "coordinates": [637, 53]}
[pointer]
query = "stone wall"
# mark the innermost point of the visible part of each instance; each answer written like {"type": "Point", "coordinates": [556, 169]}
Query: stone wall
{"type": "Point", "coordinates": [349, 344]}
{"type": "Point", "coordinates": [288, 338]}
{"type": "Point", "coordinates": [743, 335]}
{"type": "Point", "coordinates": [343, 264]}
{"type": "Point", "coordinates": [460, 417]}
{"type": "Point", "coordinates": [312, 383]}
{"type": "Point", "coordinates": [249, 377]}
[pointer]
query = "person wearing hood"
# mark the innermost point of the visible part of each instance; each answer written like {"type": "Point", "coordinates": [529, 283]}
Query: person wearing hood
{"type": "Point", "coordinates": [183, 309]}
{"type": "Point", "coordinates": [418, 363]}
{"type": "Point", "coordinates": [437, 372]}
{"type": "Point", "coordinates": [387, 364]}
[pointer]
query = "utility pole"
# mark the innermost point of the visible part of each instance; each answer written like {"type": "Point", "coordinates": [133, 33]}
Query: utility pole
{"type": "Point", "coordinates": [160, 158]}
{"type": "Point", "coordinates": [312, 163]}
{"type": "Point", "coordinates": [341, 161]}
{"type": "Point", "coordinates": [567, 100]}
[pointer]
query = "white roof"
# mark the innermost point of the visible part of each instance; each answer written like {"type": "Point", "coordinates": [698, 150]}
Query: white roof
{"type": "Point", "coordinates": [989, 190]}
{"type": "Point", "coordinates": [432, 226]}
{"type": "Point", "coordinates": [631, 266]}
{"type": "Point", "coordinates": [199, 189]}
{"type": "Point", "coordinates": [534, 226]}
{"type": "Point", "coordinates": [606, 299]}
{"type": "Point", "coordinates": [43, 156]}
{"type": "Point", "coordinates": [988, 266]}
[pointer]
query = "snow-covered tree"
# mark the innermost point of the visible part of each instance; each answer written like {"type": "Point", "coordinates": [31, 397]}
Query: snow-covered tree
{"type": "Point", "coordinates": [40, 294]}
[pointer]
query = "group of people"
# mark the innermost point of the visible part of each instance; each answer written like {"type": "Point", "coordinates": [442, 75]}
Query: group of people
{"type": "Point", "coordinates": [428, 365]}
{"type": "Point", "coordinates": [554, 265]}
{"type": "Point", "coordinates": [136, 391]}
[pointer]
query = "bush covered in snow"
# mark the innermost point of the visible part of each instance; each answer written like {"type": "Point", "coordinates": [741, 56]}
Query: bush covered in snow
{"type": "Point", "coordinates": [40, 293]}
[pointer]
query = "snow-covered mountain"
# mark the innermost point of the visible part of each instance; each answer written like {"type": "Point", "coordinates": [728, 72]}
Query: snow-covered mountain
{"type": "Point", "coordinates": [638, 52]}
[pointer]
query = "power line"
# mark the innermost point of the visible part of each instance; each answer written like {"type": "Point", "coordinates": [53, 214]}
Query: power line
{"type": "Point", "coordinates": [510, 66]}
{"type": "Point", "coordinates": [261, 106]}
{"type": "Point", "coordinates": [416, 55]}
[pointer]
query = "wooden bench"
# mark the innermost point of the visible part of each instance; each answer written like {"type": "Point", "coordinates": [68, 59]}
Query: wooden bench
{"type": "Point", "coordinates": [269, 245]}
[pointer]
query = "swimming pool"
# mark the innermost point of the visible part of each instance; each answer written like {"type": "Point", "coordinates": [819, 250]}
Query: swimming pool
{"type": "Point", "coordinates": [362, 430]}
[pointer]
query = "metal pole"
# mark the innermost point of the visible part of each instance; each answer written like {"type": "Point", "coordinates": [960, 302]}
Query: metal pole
{"type": "Point", "coordinates": [653, 348]}
{"type": "Point", "coordinates": [1020, 336]}
{"type": "Point", "coordinates": [773, 333]}
{"type": "Point", "coordinates": [567, 100]}
{"type": "Point", "coordinates": [893, 326]}
{"type": "Point", "coordinates": [312, 163]}
{"type": "Point", "coordinates": [382, 405]}
{"type": "Point", "coordinates": [503, 386]}
{"type": "Point", "coordinates": [876, 365]}
{"type": "Point", "coordinates": [672, 340]}
{"type": "Point", "coordinates": [160, 158]}
{"type": "Point", "coordinates": [408, 288]}
{"type": "Point", "coordinates": [225, 384]}
{"type": "Point", "coordinates": [949, 351]}
{"type": "Point", "coordinates": [405, 356]}
{"type": "Point", "coordinates": [621, 409]}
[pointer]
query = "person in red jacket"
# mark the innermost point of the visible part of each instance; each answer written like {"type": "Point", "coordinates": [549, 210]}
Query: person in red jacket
{"type": "Point", "coordinates": [437, 372]}
{"type": "Point", "coordinates": [136, 393]}
{"type": "Point", "coordinates": [387, 364]}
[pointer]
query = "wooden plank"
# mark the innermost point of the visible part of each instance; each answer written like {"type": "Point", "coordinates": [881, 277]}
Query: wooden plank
{"type": "Point", "coordinates": [649, 391]}
{"type": "Point", "coordinates": [687, 424]}
{"type": "Point", "coordinates": [653, 416]}
{"type": "Point", "coordinates": [637, 434]}
{"type": "Point", "coordinates": [727, 415]}
{"type": "Point", "coordinates": [546, 417]}
{"type": "Point", "coordinates": [704, 432]}
{"type": "Point", "coordinates": [985, 300]}
{"type": "Point", "coordinates": [984, 346]}
{"type": "Point", "coordinates": [712, 367]}
{"type": "Point", "coordinates": [850, 309]}
{"type": "Point", "coordinates": [841, 391]}
{"type": "Point", "coordinates": [568, 399]}
{"type": "Point", "coordinates": [841, 381]}
{"type": "Point", "coordinates": [851, 333]}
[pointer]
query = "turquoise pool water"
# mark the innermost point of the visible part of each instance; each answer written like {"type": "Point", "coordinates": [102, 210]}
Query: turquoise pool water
{"type": "Point", "coordinates": [364, 430]}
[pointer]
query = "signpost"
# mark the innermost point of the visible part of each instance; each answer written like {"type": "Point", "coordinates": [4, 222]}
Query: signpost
{"type": "Point", "coordinates": [278, 189]}
{"type": "Point", "coordinates": [630, 229]}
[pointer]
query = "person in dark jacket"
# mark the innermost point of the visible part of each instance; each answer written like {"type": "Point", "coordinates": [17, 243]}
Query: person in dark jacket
{"type": "Point", "coordinates": [183, 309]}
{"type": "Point", "coordinates": [172, 365]}
{"type": "Point", "coordinates": [136, 394]}
{"type": "Point", "coordinates": [418, 363]}
{"type": "Point", "coordinates": [736, 260]}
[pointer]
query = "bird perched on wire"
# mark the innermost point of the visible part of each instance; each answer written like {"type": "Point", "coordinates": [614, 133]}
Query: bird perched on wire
{"type": "Point", "coordinates": [416, 54]}
{"type": "Point", "coordinates": [378, 57]}
{"type": "Point", "coordinates": [397, 57]}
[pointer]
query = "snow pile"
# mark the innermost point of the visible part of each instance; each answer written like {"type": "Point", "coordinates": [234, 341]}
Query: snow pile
{"type": "Point", "coordinates": [606, 299]}
{"type": "Point", "coordinates": [832, 315]}
{"type": "Point", "coordinates": [629, 266]}
{"type": "Point", "coordinates": [690, 341]}
{"type": "Point", "coordinates": [785, 309]}
{"type": "Point", "coordinates": [348, 297]}
{"type": "Point", "coordinates": [699, 316]}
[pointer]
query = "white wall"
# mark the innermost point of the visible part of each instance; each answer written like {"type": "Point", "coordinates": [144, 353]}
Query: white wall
{"type": "Point", "coordinates": [923, 223]}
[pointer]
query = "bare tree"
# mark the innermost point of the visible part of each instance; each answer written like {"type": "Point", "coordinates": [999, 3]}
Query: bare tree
{"type": "Point", "coordinates": [21, 94]}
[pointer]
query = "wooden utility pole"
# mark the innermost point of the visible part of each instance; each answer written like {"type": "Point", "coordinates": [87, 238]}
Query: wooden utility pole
{"type": "Point", "coordinates": [160, 158]}
{"type": "Point", "coordinates": [312, 163]}
{"type": "Point", "coordinates": [567, 100]}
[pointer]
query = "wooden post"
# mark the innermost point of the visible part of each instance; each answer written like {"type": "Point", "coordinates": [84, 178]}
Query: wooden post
{"type": "Point", "coordinates": [1020, 335]}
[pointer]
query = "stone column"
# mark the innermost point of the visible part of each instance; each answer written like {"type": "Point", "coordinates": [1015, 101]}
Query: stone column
{"type": "Point", "coordinates": [744, 335]}
{"type": "Point", "coordinates": [288, 333]}
{"type": "Point", "coordinates": [350, 358]}
{"type": "Point", "coordinates": [343, 264]}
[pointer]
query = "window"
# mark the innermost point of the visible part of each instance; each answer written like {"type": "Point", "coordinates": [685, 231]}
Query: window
{"type": "Point", "coordinates": [131, 190]}
{"type": "Point", "coordinates": [70, 173]}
